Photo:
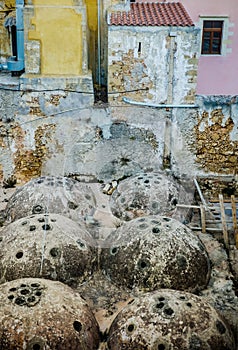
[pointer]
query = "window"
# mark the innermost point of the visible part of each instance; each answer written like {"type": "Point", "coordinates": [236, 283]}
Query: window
{"type": "Point", "coordinates": [10, 24]}
{"type": "Point", "coordinates": [212, 37]}
{"type": "Point", "coordinates": [14, 40]}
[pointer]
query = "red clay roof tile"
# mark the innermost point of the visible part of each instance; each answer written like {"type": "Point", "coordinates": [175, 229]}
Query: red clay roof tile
{"type": "Point", "coordinates": [152, 14]}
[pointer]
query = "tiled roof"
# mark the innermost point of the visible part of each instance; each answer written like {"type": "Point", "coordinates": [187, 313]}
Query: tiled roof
{"type": "Point", "coordinates": [152, 14]}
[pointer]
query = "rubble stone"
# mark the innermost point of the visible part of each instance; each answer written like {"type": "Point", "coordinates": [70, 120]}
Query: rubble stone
{"type": "Point", "coordinates": [217, 153]}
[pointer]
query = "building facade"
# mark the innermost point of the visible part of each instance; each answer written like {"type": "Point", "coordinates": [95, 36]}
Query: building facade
{"type": "Point", "coordinates": [53, 39]}
{"type": "Point", "coordinates": [218, 24]}
{"type": "Point", "coordinates": [153, 50]}
{"type": "Point", "coordinates": [217, 70]}
{"type": "Point", "coordinates": [180, 60]}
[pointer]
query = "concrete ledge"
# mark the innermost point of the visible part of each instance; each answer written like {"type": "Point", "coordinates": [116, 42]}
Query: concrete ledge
{"type": "Point", "coordinates": [82, 83]}
{"type": "Point", "coordinates": [7, 82]}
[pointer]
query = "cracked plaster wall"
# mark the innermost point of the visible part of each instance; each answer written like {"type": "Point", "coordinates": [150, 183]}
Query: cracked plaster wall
{"type": "Point", "coordinates": [207, 137]}
{"type": "Point", "coordinates": [55, 133]}
{"type": "Point", "coordinates": [162, 60]}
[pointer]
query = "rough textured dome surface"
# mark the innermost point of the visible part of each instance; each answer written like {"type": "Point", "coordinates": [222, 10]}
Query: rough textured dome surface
{"type": "Point", "coordinates": [38, 314]}
{"type": "Point", "coordinates": [50, 194]}
{"type": "Point", "coordinates": [156, 252]}
{"type": "Point", "coordinates": [49, 246]}
{"type": "Point", "coordinates": [169, 320]}
{"type": "Point", "coordinates": [147, 194]}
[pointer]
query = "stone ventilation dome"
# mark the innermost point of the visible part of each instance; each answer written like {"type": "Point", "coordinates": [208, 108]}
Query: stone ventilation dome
{"type": "Point", "coordinates": [50, 194]}
{"type": "Point", "coordinates": [49, 246]}
{"type": "Point", "coordinates": [156, 252]}
{"type": "Point", "coordinates": [45, 315]}
{"type": "Point", "coordinates": [168, 319]}
{"type": "Point", "coordinates": [147, 194]}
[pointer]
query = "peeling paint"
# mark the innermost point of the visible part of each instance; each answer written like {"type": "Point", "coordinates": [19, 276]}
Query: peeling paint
{"type": "Point", "coordinates": [52, 133]}
{"type": "Point", "coordinates": [128, 73]}
{"type": "Point", "coordinates": [34, 105]}
{"type": "Point", "coordinates": [28, 162]}
{"type": "Point", "coordinates": [55, 99]}
{"type": "Point", "coordinates": [215, 151]}
{"type": "Point", "coordinates": [3, 134]}
{"type": "Point", "coordinates": [150, 58]}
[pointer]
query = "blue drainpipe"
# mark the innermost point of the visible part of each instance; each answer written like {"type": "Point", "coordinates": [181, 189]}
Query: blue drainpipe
{"type": "Point", "coordinates": [16, 63]}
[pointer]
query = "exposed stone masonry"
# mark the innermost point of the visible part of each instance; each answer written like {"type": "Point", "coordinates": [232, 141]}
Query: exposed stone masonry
{"type": "Point", "coordinates": [28, 163]}
{"type": "Point", "coordinates": [45, 132]}
{"type": "Point", "coordinates": [215, 151]}
{"type": "Point", "coordinates": [127, 73]}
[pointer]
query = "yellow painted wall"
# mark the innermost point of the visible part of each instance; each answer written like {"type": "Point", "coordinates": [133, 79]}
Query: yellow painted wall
{"type": "Point", "coordinates": [92, 14]}
{"type": "Point", "coordinates": [92, 17]}
{"type": "Point", "coordinates": [10, 4]}
{"type": "Point", "coordinates": [58, 27]}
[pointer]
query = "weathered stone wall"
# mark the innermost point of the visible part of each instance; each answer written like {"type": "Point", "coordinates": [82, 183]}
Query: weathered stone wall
{"type": "Point", "coordinates": [210, 134]}
{"type": "Point", "coordinates": [62, 133]}
{"type": "Point", "coordinates": [59, 132]}
{"type": "Point", "coordinates": [213, 186]}
{"type": "Point", "coordinates": [215, 149]}
{"type": "Point", "coordinates": [159, 62]}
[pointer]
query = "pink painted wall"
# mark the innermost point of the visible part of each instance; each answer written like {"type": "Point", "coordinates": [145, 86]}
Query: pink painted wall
{"type": "Point", "coordinates": [217, 75]}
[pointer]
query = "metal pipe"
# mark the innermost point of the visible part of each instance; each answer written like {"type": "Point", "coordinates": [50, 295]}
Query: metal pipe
{"type": "Point", "coordinates": [3, 66]}
{"type": "Point", "coordinates": [200, 193]}
{"type": "Point", "coordinates": [170, 89]}
{"type": "Point", "coordinates": [127, 100]}
{"type": "Point", "coordinates": [99, 43]}
{"type": "Point", "coordinates": [20, 30]}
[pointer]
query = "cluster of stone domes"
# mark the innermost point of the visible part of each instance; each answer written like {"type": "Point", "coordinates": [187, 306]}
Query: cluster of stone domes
{"type": "Point", "coordinates": [47, 250]}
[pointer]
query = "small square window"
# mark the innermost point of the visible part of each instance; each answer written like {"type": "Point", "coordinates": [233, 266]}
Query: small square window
{"type": "Point", "coordinates": [212, 37]}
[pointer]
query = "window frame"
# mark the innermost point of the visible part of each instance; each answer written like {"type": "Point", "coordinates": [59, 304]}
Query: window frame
{"type": "Point", "coordinates": [224, 36]}
{"type": "Point", "coordinates": [212, 30]}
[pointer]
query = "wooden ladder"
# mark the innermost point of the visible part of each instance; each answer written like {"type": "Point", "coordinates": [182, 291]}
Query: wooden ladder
{"type": "Point", "coordinates": [217, 216]}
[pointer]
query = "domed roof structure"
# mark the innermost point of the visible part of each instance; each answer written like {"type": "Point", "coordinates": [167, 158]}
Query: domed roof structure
{"type": "Point", "coordinates": [49, 246]}
{"type": "Point", "coordinates": [147, 194]}
{"type": "Point", "coordinates": [169, 320]}
{"type": "Point", "coordinates": [154, 252]}
{"type": "Point", "coordinates": [38, 314]}
{"type": "Point", "coordinates": [50, 194]}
